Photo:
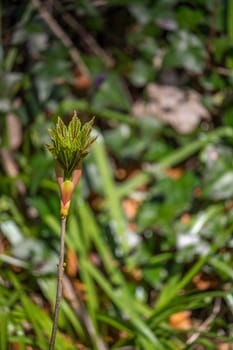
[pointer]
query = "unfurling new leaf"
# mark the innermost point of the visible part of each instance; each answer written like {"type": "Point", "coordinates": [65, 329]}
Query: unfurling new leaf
{"type": "Point", "coordinates": [70, 144]}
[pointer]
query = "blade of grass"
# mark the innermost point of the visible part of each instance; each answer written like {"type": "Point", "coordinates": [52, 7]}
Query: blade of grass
{"type": "Point", "coordinates": [22, 341]}
{"type": "Point", "coordinates": [39, 320]}
{"type": "Point", "coordinates": [145, 344]}
{"type": "Point", "coordinates": [48, 287]}
{"type": "Point", "coordinates": [110, 264]}
{"type": "Point", "coordinates": [118, 298]}
{"type": "Point", "coordinates": [95, 232]}
{"type": "Point", "coordinates": [176, 157]}
{"type": "Point", "coordinates": [116, 323]}
{"type": "Point", "coordinates": [32, 314]}
{"type": "Point", "coordinates": [191, 148]}
{"type": "Point", "coordinates": [112, 199]}
{"type": "Point", "coordinates": [3, 329]}
{"type": "Point", "coordinates": [196, 268]}
{"type": "Point", "coordinates": [170, 344]}
{"type": "Point", "coordinates": [201, 220]}
{"type": "Point", "coordinates": [76, 236]}
{"type": "Point", "coordinates": [221, 267]}
{"type": "Point", "coordinates": [191, 273]}
{"type": "Point", "coordinates": [72, 317]}
{"type": "Point", "coordinates": [166, 291]}
{"type": "Point", "coordinates": [194, 301]}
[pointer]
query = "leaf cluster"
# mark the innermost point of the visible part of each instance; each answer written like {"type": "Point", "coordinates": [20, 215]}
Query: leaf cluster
{"type": "Point", "coordinates": [70, 144]}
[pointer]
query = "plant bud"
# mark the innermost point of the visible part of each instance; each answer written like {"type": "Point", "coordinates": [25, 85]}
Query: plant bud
{"type": "Point", "coordinates": [67, 188]}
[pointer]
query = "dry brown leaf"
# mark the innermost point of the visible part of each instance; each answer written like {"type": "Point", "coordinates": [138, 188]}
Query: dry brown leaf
{"type": "Point", "coordinates": [14, 130]}
{"type": "Point", "coordinates": [81, 346]}
{"type": "Point", "coordinates": [185, 219]}
{"type": "Point", "coordinates": [4, 244]}
{"type": "Point", "coordinates": [9, 164]}
{"type": "Point", "coordinates": [168, 97]}
{"type": "Point", "coordinates": [197, 192]}
{"type": "Point", "coordinates": [72, 264]}
{"type": "Point", "coordinates": [120, 174]}
{"type": "Point", "coordinates": [225, 346]}
{"type": "Point", "coordinates": [135, 274]}
{"type": "Point", "coordinates": [94, 258]}
{"type": "Point", "coordinates": [182, 109]}
{"type": "Point", "coordinates": [123, 335]}
{"type": "Point", "coordinates": [130, 207]}
{"type": "Point", "coordinates": [181, 320]}
{"type": "Point", "coordinates": [82, 82]}
{"type": "Point", "coordinates": [81, 289]}
{"type": "Point", "coordinates": [79, 286]}
{"type": "Point", "coordinates": [143, 186]}
{"type": "Point", "coordinates": [11, 168]}
{"type": "Point", "coordinates": [15, 346]}
{"type": "Point", "coordinates": [138, 108]}
{"type": "Point", "coordinates": [229, 204]}
{"type": "Point", "coordinates": [96, 201]}
{"type": "Point", "coordinates": [132, 226]}
{"type": "Point", "coordinates": [204, 282]}
{"type": "Point", "coordinates": [174, 173]}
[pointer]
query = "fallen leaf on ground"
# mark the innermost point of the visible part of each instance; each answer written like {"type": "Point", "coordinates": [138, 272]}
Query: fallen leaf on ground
{"type": "Point", "coordinates": [72, 264]}
{"type": "Point", "coordinates": [181, 320]}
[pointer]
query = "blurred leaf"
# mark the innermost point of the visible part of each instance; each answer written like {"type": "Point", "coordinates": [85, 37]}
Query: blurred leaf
{"type": "Point", "coordinates": [157, 150]}
{"type": "Point", "coordinates": [222, 267]}
{"type": "Point", "coordinates": [141, 73]}
{"type": "Point", "coordinates": [3, 329]}
{"type": "Point", "coordinates": [141, 12]}
{"type": "Point", "coordinates": [111, 94]}
{"type": "Point", "coordinates": [207, 344]}
{"type": "Point", "coordinates": [170, 197]}
{"type": "Point", "coordinates": [148, 49]}
{"type": "Point", "coordinates": [218, 160]}
{"type": "Point", "coordinates": [186, 51]}
{"type": "Point", "coordinates": [12, 232]}
{"type": "Point", "coordinates": [189, 18]}
{"type": "Point", "coordinates": [221, 188]}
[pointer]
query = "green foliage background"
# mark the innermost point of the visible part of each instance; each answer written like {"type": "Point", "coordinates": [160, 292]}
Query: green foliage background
{"type": "Point", "coordinates": [130, 275]}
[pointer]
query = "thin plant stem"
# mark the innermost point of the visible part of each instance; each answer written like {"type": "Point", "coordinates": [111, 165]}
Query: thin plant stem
{"type": "Point", "coordinates": [62, 35]}
{"type": "Point", "coordinates": [59, 283]}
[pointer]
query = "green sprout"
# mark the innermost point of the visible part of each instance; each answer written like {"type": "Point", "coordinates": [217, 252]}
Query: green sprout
{"type": "Point", "coordinates": [70, 144]}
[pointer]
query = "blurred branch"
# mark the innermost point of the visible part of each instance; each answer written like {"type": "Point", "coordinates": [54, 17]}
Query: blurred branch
{"type": "Point", "coordinates": [89, 40]}
{"type": "Point", "coordinates": [82, 313]}
{"type": "Point", "coordinates": [61, 34]}
{"type": "Point", "coordinates": [12, 169]}
{"type": "Point", "coordinates": [205, 325]}
{"type": "Point", "coordinates": [213, 23]}
{"type": "Point", "coordinates": [1, 33]}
